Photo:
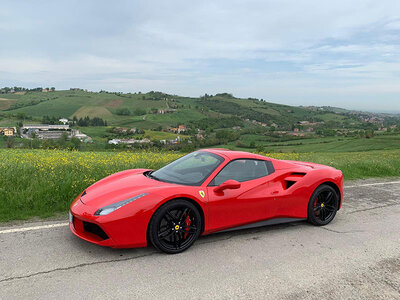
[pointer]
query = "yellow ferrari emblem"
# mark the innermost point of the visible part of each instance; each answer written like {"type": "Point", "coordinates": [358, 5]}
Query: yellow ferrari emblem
{"type": "Point", "coordinates": [202, 194]}
{"type": "Point", "coordinates": [177, 227]}
{"type": "Point", "coordinates": [322, 205]}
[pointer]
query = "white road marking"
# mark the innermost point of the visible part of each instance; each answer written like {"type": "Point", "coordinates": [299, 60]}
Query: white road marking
{"type": "Point", "coordinates": [33, 228]}
{"type": "Point", "coordinates": [66, 224]}
{"type": "Point", "coordinates": [371, 184]}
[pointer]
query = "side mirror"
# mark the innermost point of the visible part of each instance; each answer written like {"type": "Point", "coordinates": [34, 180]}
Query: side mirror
{"type": "Point", "coordinates": [229, 184]}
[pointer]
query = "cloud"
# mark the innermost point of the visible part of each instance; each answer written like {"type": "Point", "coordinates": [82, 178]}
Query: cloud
{"type": "Point", "coordinates": [289, 51]}
{"type": "Point", "coordinates": [395, 25]}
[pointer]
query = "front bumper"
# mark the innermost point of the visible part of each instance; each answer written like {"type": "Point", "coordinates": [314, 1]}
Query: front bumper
{"type": "Point", "coordinates": [89, 231]}
{"type": "Point", "coordinates": [120, 229]}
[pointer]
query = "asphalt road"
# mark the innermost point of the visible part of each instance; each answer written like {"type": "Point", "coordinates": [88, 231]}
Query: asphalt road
{"type": "Point", "coordinates": [357, 256]}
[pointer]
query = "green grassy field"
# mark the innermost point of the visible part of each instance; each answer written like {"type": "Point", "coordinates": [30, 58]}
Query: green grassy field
{"type": "Point", "coordinates": [44, 182]}
{"type": "Point", "coordinates": [161, 135]}
{"type": "Point", "coordinates": [92, 111]}
{"type": "Point", "coordinates": [325, 144]}
{"type": "Point", "coordinates": [6, 103]}
{"type": "Point", "coordinates": [67, 103]}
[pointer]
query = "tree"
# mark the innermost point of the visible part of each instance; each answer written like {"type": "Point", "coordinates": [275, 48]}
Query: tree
{"type": "Point", "coordinates": [47, 144]}
{"type": "Point", "coordinates": [369, 133]}
{"type": "Point", "coordinates": [27, 143]}
{"type": "Point", "coordinates": [260, 148]}
{"type": "Point", "coordinates": [76, 143]}
{"type": "Point", "coordinates": [239, 144]}
{"type": "Point", "coordinates": [35, 143]}
{"type": "Point", "coordinates": [10, 143]}
{"type": "Point", "coordinates": [21, 116]}
{"type": "Point", "coordinates": [222, 134]}
{"type": "Point", "coordinates": [123, 111]}
{"type": "Point", "coordinates": [139, 112]}
{"type": "Point", "coordinates": [63, 139]}
{"type": "Point", "coordinates": [225, 95]}
{"type": "Point", "coordinates": [227, 135]}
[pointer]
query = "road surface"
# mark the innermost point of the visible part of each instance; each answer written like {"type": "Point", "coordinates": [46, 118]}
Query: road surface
{"type": "Point", "coordinates": [357, 256]}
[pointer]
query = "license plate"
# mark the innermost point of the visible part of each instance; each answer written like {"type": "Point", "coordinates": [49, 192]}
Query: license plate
{"type": "Point", "coordinates": [71, 218]}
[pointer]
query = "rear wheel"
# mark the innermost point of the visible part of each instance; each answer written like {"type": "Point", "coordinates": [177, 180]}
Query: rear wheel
{"type": "Point", "coordinates": [323, 205]}
{"type": "Point", "coordinates": [175, 226]}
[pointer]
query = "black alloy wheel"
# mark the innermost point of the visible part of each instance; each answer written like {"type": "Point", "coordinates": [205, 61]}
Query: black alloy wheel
{"type": "Point", "coordinates": [323, 205]}
{"type": "Point", "coordinates": [175, 226]}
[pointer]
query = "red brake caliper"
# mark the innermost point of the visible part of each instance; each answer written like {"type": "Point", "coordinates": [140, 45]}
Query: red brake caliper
{"type": "Point", "coordinates": [187, 223]}
{"type": "Point", "coordinates": [315, 205]}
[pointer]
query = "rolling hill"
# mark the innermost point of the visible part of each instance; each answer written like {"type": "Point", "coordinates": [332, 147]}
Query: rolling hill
{"type": "Point", "coordinates": [246, 112]}
{"type": "Point", "coordinates": [222, 119]}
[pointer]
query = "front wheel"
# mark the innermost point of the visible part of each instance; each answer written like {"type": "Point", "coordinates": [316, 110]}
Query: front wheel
{"type": "Point", "coordinates": [175, 226]}
{"type": "Point", "coordinates": [323, 205]}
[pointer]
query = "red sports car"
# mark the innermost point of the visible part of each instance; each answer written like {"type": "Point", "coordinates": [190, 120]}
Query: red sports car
{"type": "Point", "coordinates": [200, 193]}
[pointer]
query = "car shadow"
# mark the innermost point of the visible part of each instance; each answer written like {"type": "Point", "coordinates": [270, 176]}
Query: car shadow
{"type": "Point", "coordinates": [218, 237]}
{"type": "Point", "coordinates": [249, 232]}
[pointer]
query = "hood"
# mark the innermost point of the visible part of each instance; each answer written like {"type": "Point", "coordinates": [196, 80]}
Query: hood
{"type": "Point", "coordinates": [120, 186]}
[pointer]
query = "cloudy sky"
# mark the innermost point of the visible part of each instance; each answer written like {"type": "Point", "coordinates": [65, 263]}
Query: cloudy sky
{"type": "Point", "coordinates": [339, 53]}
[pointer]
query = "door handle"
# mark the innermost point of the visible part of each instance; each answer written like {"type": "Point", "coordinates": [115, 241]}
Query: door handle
{"type": "Point", "coordinates": [274, 192]}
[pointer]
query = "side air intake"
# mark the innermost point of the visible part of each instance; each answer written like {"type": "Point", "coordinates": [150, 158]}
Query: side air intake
{"type": "Point", "coordinates": [289, 183]}
{"type": "Point", "coordinates": [292, 178]}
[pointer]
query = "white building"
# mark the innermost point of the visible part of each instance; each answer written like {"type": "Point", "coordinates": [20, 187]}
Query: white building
{"type": "Point", "coordinates": [46, 127]}
{"type": "Point", "coordinates": [79, 135]}
{"type": "Point", "coordinates": [128, 141]}
{"type": "Point", "coordinates": [114, 142]}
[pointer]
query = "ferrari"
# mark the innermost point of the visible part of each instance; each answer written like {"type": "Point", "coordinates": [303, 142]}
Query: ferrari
{"type": "Point", "coordinates": [203, 192]}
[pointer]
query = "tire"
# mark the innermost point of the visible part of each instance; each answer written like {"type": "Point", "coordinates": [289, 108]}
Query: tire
{"type": "Point", "coordinates": [175, 226]}
{"type": "Point", "coordinates": [323, 205]}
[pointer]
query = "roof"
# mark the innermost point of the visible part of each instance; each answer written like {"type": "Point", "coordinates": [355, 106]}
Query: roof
{"type": "Point", "coordinates": [9, 128]}
{"type": "Point", "coordinates": [232, 154]}
{"type": "Point", "coordinates": [44, 126]}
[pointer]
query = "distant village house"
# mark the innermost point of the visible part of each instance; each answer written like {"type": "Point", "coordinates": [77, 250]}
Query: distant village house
{"type": "Point", "coordinates": [120, 130]}
{"type": "Point", "coordinates": [179, 129]}
{"type": "Point", "coordinates": [8, 131]}
{"type": "Point", "coordinates": [166, 111]}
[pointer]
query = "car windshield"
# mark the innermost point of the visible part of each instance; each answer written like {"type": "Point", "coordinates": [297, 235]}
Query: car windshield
{"type": "Point", "coordinates": [191, 169]}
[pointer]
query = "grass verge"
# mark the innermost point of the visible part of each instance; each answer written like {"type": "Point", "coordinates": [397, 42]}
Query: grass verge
{"type": "Point", "coordinates": [44, 182]}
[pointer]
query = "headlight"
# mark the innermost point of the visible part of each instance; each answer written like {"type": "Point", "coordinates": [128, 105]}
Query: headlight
{"type": "Point", "coordinates": [110, 208]}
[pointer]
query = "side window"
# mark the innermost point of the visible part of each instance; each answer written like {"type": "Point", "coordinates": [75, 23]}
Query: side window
{"type": "Point", "coordinates": [243, 170]}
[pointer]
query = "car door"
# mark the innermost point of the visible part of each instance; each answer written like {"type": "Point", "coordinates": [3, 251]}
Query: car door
{"type": "Point", "coordinates": [251, 202]}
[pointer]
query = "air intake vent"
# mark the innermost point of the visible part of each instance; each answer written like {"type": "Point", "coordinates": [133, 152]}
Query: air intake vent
{"type": "Point", "coordinates": [297, 174]}
{"type": "Point", "coordinates": [289, 183]}
{"type": "Point", "coordinates": [292, 178]}
{"type": "Point", "coordinates": [95, 229]}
